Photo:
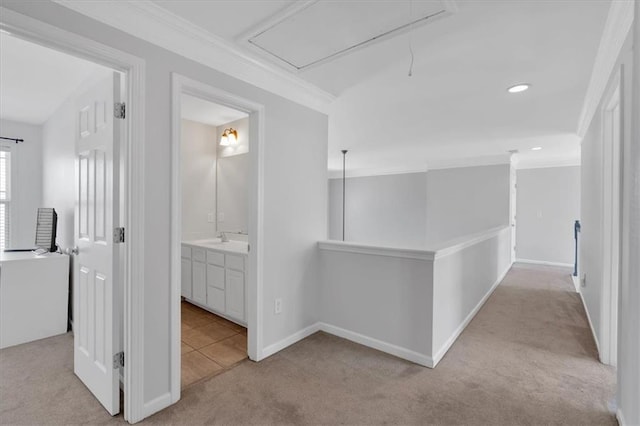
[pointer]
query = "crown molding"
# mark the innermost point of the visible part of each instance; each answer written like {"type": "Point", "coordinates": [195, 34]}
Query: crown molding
{"type": "Point", "coordinates": [449, 163]}
{"type": "Point", "coordinates": [615, 33]}
{"type": "Point", "coordinates": [146, 20]}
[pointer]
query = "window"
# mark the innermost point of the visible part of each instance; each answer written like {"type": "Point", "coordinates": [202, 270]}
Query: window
{"type": "Point", "coordinates": [5, 197]}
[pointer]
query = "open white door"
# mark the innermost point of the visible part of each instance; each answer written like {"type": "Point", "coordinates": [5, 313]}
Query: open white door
{"type": "Point", "coordinates": [96, 277]}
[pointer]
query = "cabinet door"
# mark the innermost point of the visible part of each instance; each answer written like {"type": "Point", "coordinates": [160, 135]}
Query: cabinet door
{"type": "Point", "coordinates": [185, 278]}
{"type": "Point", "coordinates": [215, 299]}
{"type": "Point", "coordinates": [234, 294]}
{"type": "Point", "coordinates": [199, 279]}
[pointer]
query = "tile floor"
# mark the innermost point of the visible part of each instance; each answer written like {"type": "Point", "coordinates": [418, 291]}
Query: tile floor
{"type": "Point", "coordinates": [210, 344]}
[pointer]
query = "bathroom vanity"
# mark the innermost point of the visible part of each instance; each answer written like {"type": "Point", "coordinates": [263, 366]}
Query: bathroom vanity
{"type": "Point", "coordinates": [214, 277]}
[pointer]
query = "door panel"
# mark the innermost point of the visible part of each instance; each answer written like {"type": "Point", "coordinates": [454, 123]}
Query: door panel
{"type": "Point", "coordinates": [185, 278]}
{"type": "Point", "coordinates": [96, 269]}
{"type": "Point", "coordinates": [199, 276]}
{"type": "Point", "coordinates": [234, 293]}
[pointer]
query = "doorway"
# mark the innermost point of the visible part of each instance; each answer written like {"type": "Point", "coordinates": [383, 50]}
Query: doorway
{"type": "Point", "coordinates": [124, 332]}
{"type": "Point", "coordinates": [208, 272]}
{"type": "Point", "coordinates": [612, 214]}
{"type": "Point", "coordinates": [214, 142]}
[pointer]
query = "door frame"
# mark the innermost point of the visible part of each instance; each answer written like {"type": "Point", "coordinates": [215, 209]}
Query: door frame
{"type": "Point", "coordinates": [183, 85]}
{"type": "Point", "coordinates": [133, 154]}
{"type": "Point", "coordinates": [612, 198]}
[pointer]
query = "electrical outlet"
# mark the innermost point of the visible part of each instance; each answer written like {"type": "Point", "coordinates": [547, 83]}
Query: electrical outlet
{"type": "Point", "coordinates": [277, 306]}
{"type": "Point", "coordinates": [210, 218]}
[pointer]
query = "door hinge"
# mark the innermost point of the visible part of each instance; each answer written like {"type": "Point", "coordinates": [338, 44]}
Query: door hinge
{"type": "Point", "coordinates": [119, 110]}
{"type": "Point", "coordinates": [248, 248]}
{"type": "Point", "coordinates": [118, 360]}
{"type": "Point", "coordinates": [118, 235]}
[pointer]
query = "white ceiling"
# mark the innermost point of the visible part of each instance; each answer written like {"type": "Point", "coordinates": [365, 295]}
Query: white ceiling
{"type": "Point", "coordinates": [35, 81]}
{"type": "Point", "coordinates": [205, 112]}
{"type": "Point", "coordinates": [455, 106]}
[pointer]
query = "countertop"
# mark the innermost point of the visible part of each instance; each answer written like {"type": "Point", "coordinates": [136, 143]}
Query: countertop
{"type": "Point", "coordinates": [236, 247]}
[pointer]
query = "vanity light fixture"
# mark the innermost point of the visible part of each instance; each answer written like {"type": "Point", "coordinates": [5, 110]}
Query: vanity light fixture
{"type": "Point", "coordinates": [518, 88]}
{"type": "Point", "coordinates": [229, 137]}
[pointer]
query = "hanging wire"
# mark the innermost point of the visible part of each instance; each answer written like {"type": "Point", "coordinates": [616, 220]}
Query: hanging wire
{"type": "Point", "coordinates": [411, 37]}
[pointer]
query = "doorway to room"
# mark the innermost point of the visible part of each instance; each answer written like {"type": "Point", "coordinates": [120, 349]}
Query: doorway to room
{"type": "Point", "coordinates": [216, 231]}
{"type": "Point", "coordinates": [214, 141]}
{"type": "Point", "coordinates": [82, 165]}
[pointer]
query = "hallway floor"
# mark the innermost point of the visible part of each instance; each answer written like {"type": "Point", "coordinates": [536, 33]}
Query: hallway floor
{"type": "Point", "coordinates": [528, 358]}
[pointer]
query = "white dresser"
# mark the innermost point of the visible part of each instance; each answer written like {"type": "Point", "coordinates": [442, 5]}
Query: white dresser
{"type": "Point", "coordinates": [34, 296]}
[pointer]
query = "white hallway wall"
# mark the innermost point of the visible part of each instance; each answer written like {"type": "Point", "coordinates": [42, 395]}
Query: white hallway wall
{"type": "Point", "coordinates": [548, 203]}
{"type": "Point", "coordinates": [233, 173]}
{"type": "Point", "coordinates": [198, 180]}
{"type": "Point", "coordinates": [418, 210]}
{"type": "Point", "coordinates": [27, 194]}
{"type": "Point", "coordinates": [295, 208]}
{"type": "Point", "coordinates": [466, 200]}
{"type": "Point", "coordinates": [629, 349]}
{"type": "Point", "coordinates": [388, 210]}
{"type": "Point", "coordinates": [591, 255]}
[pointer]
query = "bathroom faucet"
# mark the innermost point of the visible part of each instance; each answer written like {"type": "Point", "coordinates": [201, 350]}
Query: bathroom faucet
{"type": "Point", "coordinates": [223, 237]}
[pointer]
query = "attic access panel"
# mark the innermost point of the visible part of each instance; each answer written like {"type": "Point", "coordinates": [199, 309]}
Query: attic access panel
{"type": "Point", "coordinates": [318, 31]}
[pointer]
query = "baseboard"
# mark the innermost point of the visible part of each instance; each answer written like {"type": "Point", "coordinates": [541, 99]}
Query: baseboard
{"type": "Point", "coordinates": [288, 341]}
{"type": "Point", "coordinates": [620, 418]}
{"type": "Point", "coordinates": [157, 404]}
{"type": "Point", "coordinates": [593, 330]}
{"type": "Point", "coordinates": [451, 340]}
{"type": "Point", "coordinates": [544, 262]}
{"type": "Point", "coordinates": [576, 283]}
{"type": "Point", "coordinates": [389, 348]}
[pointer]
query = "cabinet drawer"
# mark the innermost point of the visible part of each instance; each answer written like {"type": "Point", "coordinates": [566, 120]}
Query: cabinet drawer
{"type": "Point", "coordinates": [215, 276]}
{"type": "Point", "coordinates": [198, 254]}
{"type": "Point", "coordinates": [186, 252]}
{"type": "Point", "coordinates": [215, 299]}
{"type": "Point", "coordinates": [215, 258]}
{"type": "Point", "coordinates": [235, 262]}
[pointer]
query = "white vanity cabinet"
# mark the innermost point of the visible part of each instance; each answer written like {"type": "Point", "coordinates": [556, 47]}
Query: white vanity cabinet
{"type": "Point", "coordinates": [215, 280]}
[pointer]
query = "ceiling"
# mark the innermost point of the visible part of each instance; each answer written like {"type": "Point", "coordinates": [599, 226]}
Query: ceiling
{"type": "Point", "coordinates": [35, 81]}
{"type": "Point", "coordinates": [454, 109]}
{"type": "Point", "coordinates": [205, 112]}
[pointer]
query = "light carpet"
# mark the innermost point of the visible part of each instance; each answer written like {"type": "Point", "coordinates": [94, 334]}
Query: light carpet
{"type": "Point", "coordinates": [528, 358]}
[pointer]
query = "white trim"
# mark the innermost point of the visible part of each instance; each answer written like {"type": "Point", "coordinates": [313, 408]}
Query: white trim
{"type": "Point", "coordinates": [254, 274]}
{"type": "Point", "coordinates": [442, 164]}
{"type": "Point", "coordinates": [593, 330]}
{"type": "Point", "coordinates": [611, 218]}
{"type": "Point", "coordinates": [369, 249]}
{"type": "Point", "coordinates": [615, 32]}
{"type": "Point", "coordinates": [453, 246]}
{"type": "Point", "coordinates": [620, 418]}
{"type": "Point", "coordinates": [385, 347]}
{"type": "Point", "coordinates": [290, 340]}
{"type": "Point", "coordinates": [157, 404]}
{"type": "Point", "coordinates": [548, 163]}
{"type": "Point", "coordinates": [134, 145]}
{"type": "Point", "coordinates": [544, 262]}
{"type": "Point", "coordinates": [448, 248]}
{"type": "Point", "coordinates": [146, 20]}
{"type": "Point", "coordinates": [337, 174]}
{"type": "Point", "coordinates": [454, 336]}
{"type": "Point", "coordinates": [576, 282]}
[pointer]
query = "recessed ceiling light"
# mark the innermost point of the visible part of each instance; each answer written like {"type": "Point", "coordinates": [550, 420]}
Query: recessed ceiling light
{"type": "Point", "coordinates": [537, 148]}
{"type": "Point", "coordinates": [518, 88]}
